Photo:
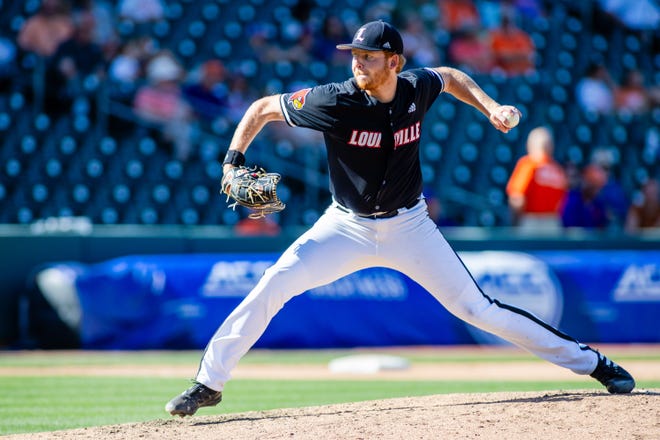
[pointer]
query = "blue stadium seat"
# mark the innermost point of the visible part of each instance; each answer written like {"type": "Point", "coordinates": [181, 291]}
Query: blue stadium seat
{"type": "Point", "coordinates": [53, 168]}
{"type": "Point", "coordinates": [109, 216]}
{"type": "Point", "coordinates": [428, 173]}
{"type": "Point", "coordinates": [496, 196]}
{"type": "Point", "coordinates": [28, 145]}
{"type": "Point", "coordinates": [68, 145]}
{"type": "Point", "coordinates": [432, 151]}
{"type": "Point", "coordinates": [524, 93]}
{"type": "Point", "coordinates": [5, 121]}
{"type": "Point", "coordinates": [161, 28]}
{"type": "Point", "coordinates": [121, 194]}
{"type": "Point", "coordinates": [161, 194]}
{"type": "Point", "coordinates": [210, 12]}
{"type": "Point", "coordinates": [246, 13]}
{"type": "Point", "coordinates": [461, 175]}
{"type": "Point", "coordinates": [94, 168]}
{"type": "Point", "coordinates": [213, 171]}
{"type": "Point", "coordinates": [499, 175]}
{"type": "Point", "coordinates": [469, 152]}
{"type": "Point", "coordinates": [200, 195]}
{"type": "Point", "coordinates": [173, 169]}
{"type": "Point", "coordinates": [222, 48]}
{"type": "Point", "coordinates": [80, 193]}
{"type": "Point", "coordinates": [440, 131]}
{"type": "Point", "coordinates": [558, 94]}
{"type": "Point", "coordinates": [475, 131]}
{"type": "Point", "coordinates": [134, 169]}
{"type": "Point", "coordinates": [503, 154]}
{"type": "Point", "coordinates": [190, 216]}
{"type": "Point", "coordinates": [39, 193]}
{"type": "Point", "coordinates": [13, 167]}
{"type": "Point", "coordinates": [24, 215]}
{"type": "Point", "coordinates": [149, 216]}
{"type": "Point", "coordinates": [209, 150]}
{"type": "Point", "coordinates": [233, 30]}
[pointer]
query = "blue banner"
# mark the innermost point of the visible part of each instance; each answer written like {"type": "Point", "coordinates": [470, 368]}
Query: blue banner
{"type": "Point", "coordinates": [178, 301]}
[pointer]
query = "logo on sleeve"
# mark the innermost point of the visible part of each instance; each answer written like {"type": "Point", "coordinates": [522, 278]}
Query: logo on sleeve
{"type": "Point", "coordinates": [297, 99]}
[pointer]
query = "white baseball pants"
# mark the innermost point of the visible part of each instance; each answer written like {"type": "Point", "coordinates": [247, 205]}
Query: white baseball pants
{"type": "Point", "coordinates": [340, 243]}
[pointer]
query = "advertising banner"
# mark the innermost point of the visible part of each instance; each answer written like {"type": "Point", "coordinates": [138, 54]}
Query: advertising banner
{"type": "Point", "coordinates": [178, 301]}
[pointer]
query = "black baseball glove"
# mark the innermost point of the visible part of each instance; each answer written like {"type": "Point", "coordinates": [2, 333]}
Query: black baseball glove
{"type": "Point", "coordinates": [253, 188]}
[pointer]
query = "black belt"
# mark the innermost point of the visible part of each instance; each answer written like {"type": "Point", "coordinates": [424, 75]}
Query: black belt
{"type": "Point", "coordinates": [377, 215]}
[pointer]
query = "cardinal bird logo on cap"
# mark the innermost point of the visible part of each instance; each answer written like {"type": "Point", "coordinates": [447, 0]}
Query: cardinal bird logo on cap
{"type": "Point", "coordinates": [297, 99]}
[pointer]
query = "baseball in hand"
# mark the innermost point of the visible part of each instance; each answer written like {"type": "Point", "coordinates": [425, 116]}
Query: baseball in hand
{"type": "Point", "coordinates": [512, 120]}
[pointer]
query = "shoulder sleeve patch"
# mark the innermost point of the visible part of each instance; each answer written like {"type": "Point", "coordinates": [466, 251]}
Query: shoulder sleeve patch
{"type": "Point", "coordinates": [297, 99]}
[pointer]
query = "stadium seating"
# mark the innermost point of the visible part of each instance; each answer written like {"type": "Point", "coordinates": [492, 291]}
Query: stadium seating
{"type": "Point", "coordinates": [113, 169]}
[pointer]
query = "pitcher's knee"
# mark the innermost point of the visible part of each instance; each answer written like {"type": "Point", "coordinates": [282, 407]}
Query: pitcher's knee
{"type": "Point", "coordinates": [470, 305]}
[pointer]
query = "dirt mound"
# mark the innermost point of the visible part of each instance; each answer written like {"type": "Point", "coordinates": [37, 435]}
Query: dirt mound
{"type": "Point", "coordinates": [527, 415]}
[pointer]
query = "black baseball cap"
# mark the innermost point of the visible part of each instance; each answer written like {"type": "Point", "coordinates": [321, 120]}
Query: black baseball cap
{"type": "Point", "coordinates": [376, 35]}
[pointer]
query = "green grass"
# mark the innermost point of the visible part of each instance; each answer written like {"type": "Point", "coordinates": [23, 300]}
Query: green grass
{"type": "Point", "coordinates": [32, 402]}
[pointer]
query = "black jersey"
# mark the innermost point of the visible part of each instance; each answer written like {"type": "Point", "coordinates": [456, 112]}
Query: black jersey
{"type": "Point", "coordinates": [372, 147]}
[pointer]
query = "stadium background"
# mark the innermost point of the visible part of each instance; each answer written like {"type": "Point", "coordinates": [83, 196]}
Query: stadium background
{"type": "Point", "coordinates": [94, 182]}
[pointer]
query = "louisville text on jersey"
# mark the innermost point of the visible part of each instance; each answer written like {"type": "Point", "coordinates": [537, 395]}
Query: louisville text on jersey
{"type": "Point", "coordinates": [371, 139]}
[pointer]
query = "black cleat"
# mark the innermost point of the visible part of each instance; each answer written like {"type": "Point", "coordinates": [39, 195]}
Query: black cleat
{"type": "Point", "coordinates": [188, 402]}
{"type": "Point", "coordinates": [614, 377]}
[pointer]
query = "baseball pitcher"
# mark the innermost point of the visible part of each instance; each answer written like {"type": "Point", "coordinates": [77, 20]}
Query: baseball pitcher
{"type": "Point", "coordinates": [372, 125]}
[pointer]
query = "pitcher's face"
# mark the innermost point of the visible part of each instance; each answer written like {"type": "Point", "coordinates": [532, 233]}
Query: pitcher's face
{"type": "Point", "coordinates": [370, 68]}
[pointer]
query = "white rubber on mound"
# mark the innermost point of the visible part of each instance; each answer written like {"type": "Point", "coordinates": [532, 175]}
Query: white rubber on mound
{"type": "Point", "coordinates": [367, 363]}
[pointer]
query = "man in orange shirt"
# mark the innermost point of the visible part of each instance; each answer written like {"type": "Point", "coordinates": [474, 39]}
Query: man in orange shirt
{"type": "Point", "coordinates": [513, 48]}
{"type": "Point", "coordinates": [43, 32]}
{"type": "Point", "coordinates": [538, 184]}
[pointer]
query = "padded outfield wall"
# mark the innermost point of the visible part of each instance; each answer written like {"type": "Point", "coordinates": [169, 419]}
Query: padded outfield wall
{"type": "Point", "coordinates": [598, 288]}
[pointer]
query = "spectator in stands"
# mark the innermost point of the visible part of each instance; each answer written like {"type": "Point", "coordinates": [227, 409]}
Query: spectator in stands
{"type": "Point", "coordinates": [267, 49]}
{"type": "Point", "coordinates": [513, 48]}
{"type": "Point", "coordinates": [436, 209]}
{"type": "Point", "coordinates": [537, 185]}
{"type": "Point", "coordinates": [612, 194]}
{"type": "Point", "coordinates": [128, 66]}
{"type": "Point", "coordinates": [637, 15]}
{"type": "Point", "coordinates": [141, 11]}
{"type": "Point", "coordinates": [8, 64]}
{"type": "Point", "coordinates": [241, 95]}
{"type": "Point", "coordinates": [419, 47]}
{"type": "Point", "coordinates": [105, 30]}
{"type": "Point", "coordinates": [583, 207]}
{"type": "Point", "coordinates": [77, 67]}
{"type": "Point", "coordinates": [332, 32]}
{"type": "Point", "coordinates": [208, 93]}
{"type": "Point", "coordinates": [47, 29]}
{"type": "Point", "coordinates": [160, 102]}
{"type": "Point", "coordinates": [632, 97]}
{"type": "Point", "coordinates": [595, 92]}
{"type": "Point", "coordinates": [644, 212]}
{"type": "Point", "coordinates": [525, 9]}
{"type": "Point", "coordinates": [471, 50]}
{"type": "Point", "coordinates": [458, 15]}
{"type": "Point", "coordinates": [253, 227]}
{"type": "Point", "coordinates": [490, 12]}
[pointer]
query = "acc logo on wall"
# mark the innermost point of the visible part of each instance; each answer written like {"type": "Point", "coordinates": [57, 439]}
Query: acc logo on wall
{"type": "Point", "coordinates": [639, 283]}
{"type": "Point", "coordinates": [517, 279]}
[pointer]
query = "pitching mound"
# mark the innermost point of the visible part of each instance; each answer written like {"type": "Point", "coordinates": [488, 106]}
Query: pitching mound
{"type": "Point", "coordinates": [531, 415]}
